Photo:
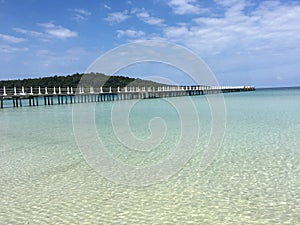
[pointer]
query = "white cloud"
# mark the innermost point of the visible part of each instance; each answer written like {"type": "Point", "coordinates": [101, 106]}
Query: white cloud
{"type": "Point", "coordinates": [44, 52]}
{"type": "Point", "coordinates": [58, 31]}
{"type": "Point", "coordinates": [81, 14]}
{"type": "Point", "coordinates": [229, 3]}
{"type": "Point", "coordinates": [59, 60]}
{"type": "Point", "coordinates": [145, 16]}
{"type": "Point", "coordinates": [107, 7]}
{"type": "Point", "coordinates": [183, 7]}
{"type": "Point", "coordinates": [117, 17]}
{"type": "Point", "coordinates": [11, 49]}
{"type": "Point", "coordinates": [245, 42]}
{"type": "Point", "coordinates": [28, 32]}
{"type": "Point", "coordinates": [8, 49]}
{"type": "Point", "coordinates": [268, 27]}
{"type": "Point", "coordinates": [11, 39]}
{"type": "Point", "coordinates": [50, 30]}
{"type": "Point", "coordinates": [280, 78]}
{"type": "Point", "coordinates": [130, 33]}
{"type": "Point", "coordinates": [234, 8]}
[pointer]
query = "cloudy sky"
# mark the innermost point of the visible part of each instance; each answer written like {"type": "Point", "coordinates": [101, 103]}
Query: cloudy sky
{"type": "Point", "coordinates": [244, 42]}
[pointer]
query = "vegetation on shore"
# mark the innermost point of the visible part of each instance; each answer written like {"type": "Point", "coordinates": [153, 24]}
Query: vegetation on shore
{"type": "Point", "coordinates": [85, 80]}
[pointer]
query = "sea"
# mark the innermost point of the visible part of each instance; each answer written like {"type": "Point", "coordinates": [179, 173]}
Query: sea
{"type": "Point", "coordinates": [50, 175]}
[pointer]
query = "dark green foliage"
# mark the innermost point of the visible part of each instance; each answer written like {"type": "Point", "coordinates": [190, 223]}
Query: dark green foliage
{"type": "Point", "coordinates": [84, 80]}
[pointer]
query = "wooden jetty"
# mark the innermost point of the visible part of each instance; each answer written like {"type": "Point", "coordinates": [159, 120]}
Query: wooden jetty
{"type": "Point", "coordinates": [70, 95]}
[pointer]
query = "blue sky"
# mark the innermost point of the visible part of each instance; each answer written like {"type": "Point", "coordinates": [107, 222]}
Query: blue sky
{"type": "Point", "coordinates": [244, 42]}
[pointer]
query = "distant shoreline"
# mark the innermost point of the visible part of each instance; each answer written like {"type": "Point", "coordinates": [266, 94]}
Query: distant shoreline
{"type": "Point", "coordinates": [272, 88]}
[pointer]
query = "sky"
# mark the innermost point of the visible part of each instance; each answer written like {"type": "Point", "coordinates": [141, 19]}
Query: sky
{"type": "Point", "coordinates": [244, 42]}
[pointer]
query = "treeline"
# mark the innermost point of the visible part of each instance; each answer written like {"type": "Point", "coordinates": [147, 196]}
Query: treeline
{"type": "Point", "coordinates": [84, 80]}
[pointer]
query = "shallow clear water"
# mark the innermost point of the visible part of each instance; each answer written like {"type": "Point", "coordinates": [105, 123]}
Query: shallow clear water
{"type": "Point", "coordinates": [254, 178]}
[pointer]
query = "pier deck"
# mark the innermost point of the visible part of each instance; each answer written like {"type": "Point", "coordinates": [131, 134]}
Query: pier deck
{"type": "Point", "coordinates": [70, 95]}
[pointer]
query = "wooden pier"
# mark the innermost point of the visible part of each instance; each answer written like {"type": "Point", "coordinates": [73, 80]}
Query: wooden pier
{"type": "Point", "coordinates": [56, 96]}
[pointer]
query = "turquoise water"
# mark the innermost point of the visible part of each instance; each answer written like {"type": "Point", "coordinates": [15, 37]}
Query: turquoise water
{"type": "Point", "coordinates": [254, 178]}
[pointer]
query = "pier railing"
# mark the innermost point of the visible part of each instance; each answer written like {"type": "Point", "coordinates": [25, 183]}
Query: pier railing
{"type": "Point", "coordinates": [61, 95]}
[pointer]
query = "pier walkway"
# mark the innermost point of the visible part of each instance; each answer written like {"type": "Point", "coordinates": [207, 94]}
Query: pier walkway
{"type": "Point", "coordinates": [52, 96]}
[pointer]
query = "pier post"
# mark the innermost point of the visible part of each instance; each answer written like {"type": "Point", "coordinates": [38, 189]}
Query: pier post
{"type": "Point", "coordinates": [92, 90]}
{"type": "Point", "coordinates": [4, 93]}
{"type": "Point", "coordinates": [15, 91]}
{"type": "Point", "coordinates": [81, 90]}
{"type": "Point", "coordinates": [23, 92]}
